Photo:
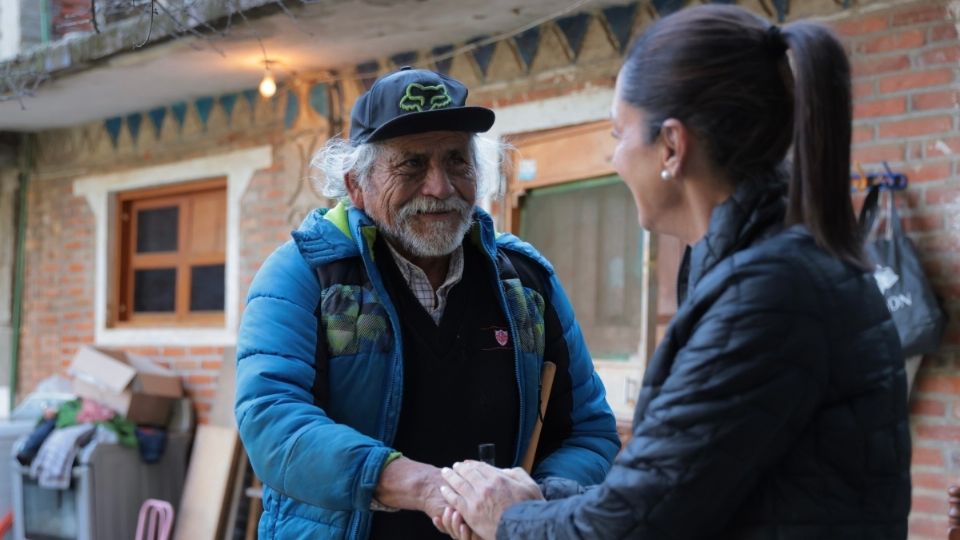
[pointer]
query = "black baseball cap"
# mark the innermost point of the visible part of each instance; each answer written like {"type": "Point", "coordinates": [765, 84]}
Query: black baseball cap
{"type": "Point", "coordinates": [412, 101]}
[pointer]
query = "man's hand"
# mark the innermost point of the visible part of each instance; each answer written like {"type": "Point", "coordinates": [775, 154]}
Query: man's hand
{"type": "Point", "coordinates": [410, 485]}
{"type": "Point", "coordinates": [480, 493]}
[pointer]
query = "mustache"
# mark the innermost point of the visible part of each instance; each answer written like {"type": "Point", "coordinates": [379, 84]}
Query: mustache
{"type": "Point", "coordinates": [430, 204]}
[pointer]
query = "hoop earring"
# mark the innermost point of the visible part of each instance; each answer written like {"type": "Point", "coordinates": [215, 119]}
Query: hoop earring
{"type": "Point", "coordinates": [666, 175]}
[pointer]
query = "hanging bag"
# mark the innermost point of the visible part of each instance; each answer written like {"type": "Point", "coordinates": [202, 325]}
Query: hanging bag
{"type": "Point", "coordinates": [917, 314]}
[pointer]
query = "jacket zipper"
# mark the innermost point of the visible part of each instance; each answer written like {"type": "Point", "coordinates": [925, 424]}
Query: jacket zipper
{"type": "Point", "coordinates": [386, 433]}
{"type": "Point", "coordinates": [516, 354]}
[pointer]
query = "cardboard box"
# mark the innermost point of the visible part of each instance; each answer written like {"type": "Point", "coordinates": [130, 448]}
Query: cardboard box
{"type": "Point", "coordinates": [132, 385]}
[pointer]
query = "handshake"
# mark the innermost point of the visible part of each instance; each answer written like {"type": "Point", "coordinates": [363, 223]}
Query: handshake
{"type": "Point", "coordinates": [464, 501]}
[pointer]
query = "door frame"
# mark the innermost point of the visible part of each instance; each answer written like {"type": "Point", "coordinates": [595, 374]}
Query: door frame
{"type": "Point", "coordinates": [583, 114]}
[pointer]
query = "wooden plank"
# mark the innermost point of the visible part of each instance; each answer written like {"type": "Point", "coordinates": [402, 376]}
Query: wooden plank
{"type": "Point", "coordinates": [209, 492]}
{"type": "Point", "coordinates": [203, 511]}
{"type": "Point", "coordinates": [208, 235]}
{"type": "Point", "coordinates": [235, 496]}
{"type": "Point", "coordinates": [256, 508]}
{"type": "Point", "coordinates": [565, 154]}
{"type": "Point", "coordinates": [191, 186]}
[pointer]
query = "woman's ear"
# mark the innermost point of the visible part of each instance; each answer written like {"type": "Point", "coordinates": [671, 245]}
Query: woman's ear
{"type": "Point", "coordinates": [675, 138]}
{"type": "Point", "coordinates": [353, 189]}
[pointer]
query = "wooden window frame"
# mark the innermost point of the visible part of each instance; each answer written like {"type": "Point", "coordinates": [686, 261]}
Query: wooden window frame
{"type": "Point", "coordinates": [127, 260]}
{"type": "Point", "coordinates": [596, 161]}
{"type": "Point", "coordinates": [594, 150]}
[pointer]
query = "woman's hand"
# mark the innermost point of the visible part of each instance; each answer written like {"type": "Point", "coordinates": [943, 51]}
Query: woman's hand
{"type": "Point", "coordinates": [480, 493]}
{"type": "Point", "coordinates": [451, 523]}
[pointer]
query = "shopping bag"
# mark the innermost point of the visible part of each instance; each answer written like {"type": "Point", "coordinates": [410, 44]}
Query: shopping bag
{"type": "Point", "coordinates": [916, 311]}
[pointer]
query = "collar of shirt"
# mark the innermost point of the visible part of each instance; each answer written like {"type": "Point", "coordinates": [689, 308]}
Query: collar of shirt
{"type": "Point", "coordinates": [432, 301]}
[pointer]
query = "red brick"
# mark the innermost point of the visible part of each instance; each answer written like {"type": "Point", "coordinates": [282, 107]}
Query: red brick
{"type": "Point", "coordinates": [876, 153]}
{"type": "Point", "coordinates": [928, 170]}
{"type": "Point", "coordinates": [943, 195]}
{"type": "Point", "coordinates": [944, 99]}
{"type": "Point", "coordinates": [862, 89]}
{"type": "Point", "coordinates": [916, 79]}
{"type": "Point", "coordinates": [926, 528]}
{"type": "Point", "coordinates": [861, 25]}
{"type": "Point", "coordinates": [928, 407]}
{"type": "Point", "coordinates": [929, 504]}
{"type": "Point", "coordinates": [200, 379]}
{"type": "Point", "coordinates": [930, 480]}
{"type": "Point", "coordinates": [941, 146]}
{"type": "Point", "coordinates": [943, 55]}
{"type": "Point", "coordinates": [939, 384]}
{"type": "Point", "coordinates": [185, 365]}
{"type": "Point", "coordinates": [85, 327]}
{"type": "Point", "coordinates": [203, 406]}
{"type": "Point", "coordinates": [944, 32]}
{"type": "Point", "coordinates": [919, 15]}
{"type": "Point", "coordinates": [880, 107]}
{"type": "Point", "coordinates": [911, 127]}
{"type": "Point", "coordinates": [207, 393]}
{"type": "Point", "coordinates": [866, 66]}
{"type": "Point", "coordinates": [939, 433]}
{"type": "Point", "coordinates": [174, 351]}
{"type": "Point", "coordinates": [862, 134]}
{"type": "Point", "coordinates": [908, 39]}
{"type": "Point", "coordinates": [205, 351]}
{"type": "Point", "coordinates": [928, 456]}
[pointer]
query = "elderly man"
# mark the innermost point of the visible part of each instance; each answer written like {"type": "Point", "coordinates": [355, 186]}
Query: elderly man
{"type": "Point", "coordinates": [397, 332]}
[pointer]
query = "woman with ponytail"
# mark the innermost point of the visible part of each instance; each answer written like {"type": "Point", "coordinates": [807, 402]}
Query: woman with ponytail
{"type": "Point", "coordinates": [774, 408]}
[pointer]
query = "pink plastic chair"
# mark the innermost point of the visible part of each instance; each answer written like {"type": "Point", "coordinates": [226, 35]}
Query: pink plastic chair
{"type": "Point", "coordinates": [155, 521]}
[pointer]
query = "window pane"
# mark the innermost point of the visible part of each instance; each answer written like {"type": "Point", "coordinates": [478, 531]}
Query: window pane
{"type": "Point", "coordinates": [206, 288]}
{"type": "Point", "coordinates": [157, 229]}
{"type": "Point", "coordinates": [154, 290]}
{"type": "Point", "coordinates": [589, 232]}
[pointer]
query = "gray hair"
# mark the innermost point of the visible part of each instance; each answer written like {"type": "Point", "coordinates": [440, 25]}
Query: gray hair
{"type": "Point", "coordinates": [340, 156]}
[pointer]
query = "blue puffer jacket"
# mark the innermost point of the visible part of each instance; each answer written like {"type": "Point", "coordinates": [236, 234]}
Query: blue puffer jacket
{"type": "Point", "coordinates": [320, 465]}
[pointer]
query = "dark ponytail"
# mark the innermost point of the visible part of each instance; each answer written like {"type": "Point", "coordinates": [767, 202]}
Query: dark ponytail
{"type": "Point", "coordinates": [724, 73]}
{"type": "Point", "coordinates": [820, 183]}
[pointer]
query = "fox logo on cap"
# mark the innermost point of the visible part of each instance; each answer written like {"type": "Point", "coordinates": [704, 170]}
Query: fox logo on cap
{"type": "Point", "coordinates": [419, 97]}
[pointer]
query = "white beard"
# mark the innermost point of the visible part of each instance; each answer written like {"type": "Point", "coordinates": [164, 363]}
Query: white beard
{"type": "Point", "coordinates": [439, 239]}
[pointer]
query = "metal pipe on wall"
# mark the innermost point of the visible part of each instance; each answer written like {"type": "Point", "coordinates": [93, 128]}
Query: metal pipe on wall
{"type": "Point", "coordinates": [18, 273]}
{"type": "Point", "coordinates": [27, 151]}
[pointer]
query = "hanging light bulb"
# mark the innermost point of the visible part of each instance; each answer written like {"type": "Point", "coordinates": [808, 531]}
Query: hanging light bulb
{"type": "Point", "coordinates": [268, 86]}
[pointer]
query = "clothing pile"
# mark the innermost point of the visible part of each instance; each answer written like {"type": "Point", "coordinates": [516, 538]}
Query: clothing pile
{"type": "Point", "coordinates": [52, 447]}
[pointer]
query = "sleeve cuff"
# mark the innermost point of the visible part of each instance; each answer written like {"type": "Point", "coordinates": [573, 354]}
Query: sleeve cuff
{"type": "Point", "coordinates": [375, 505]}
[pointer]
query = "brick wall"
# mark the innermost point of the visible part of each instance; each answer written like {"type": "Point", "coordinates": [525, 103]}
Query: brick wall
{"type": "Point", "coordinates": [71, 16]}
{"type": "Point", "coordinates": [58, 285]}
{"type": "Point", "coordinates": [905, 59]}
{"type": "Point", "coordinates": [905, 63]}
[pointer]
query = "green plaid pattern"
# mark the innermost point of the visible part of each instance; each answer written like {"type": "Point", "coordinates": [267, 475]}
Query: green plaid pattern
{"type": "Point", "coordinates": [354, 320]}
{"type": "Point", "coordinates": [527, 307]}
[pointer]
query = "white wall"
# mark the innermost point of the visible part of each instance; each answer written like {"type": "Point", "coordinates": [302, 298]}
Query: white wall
{"type": "Point", "coordinates": [9, 28]}
{"type": "Point", "coordinates": [238, 167]}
